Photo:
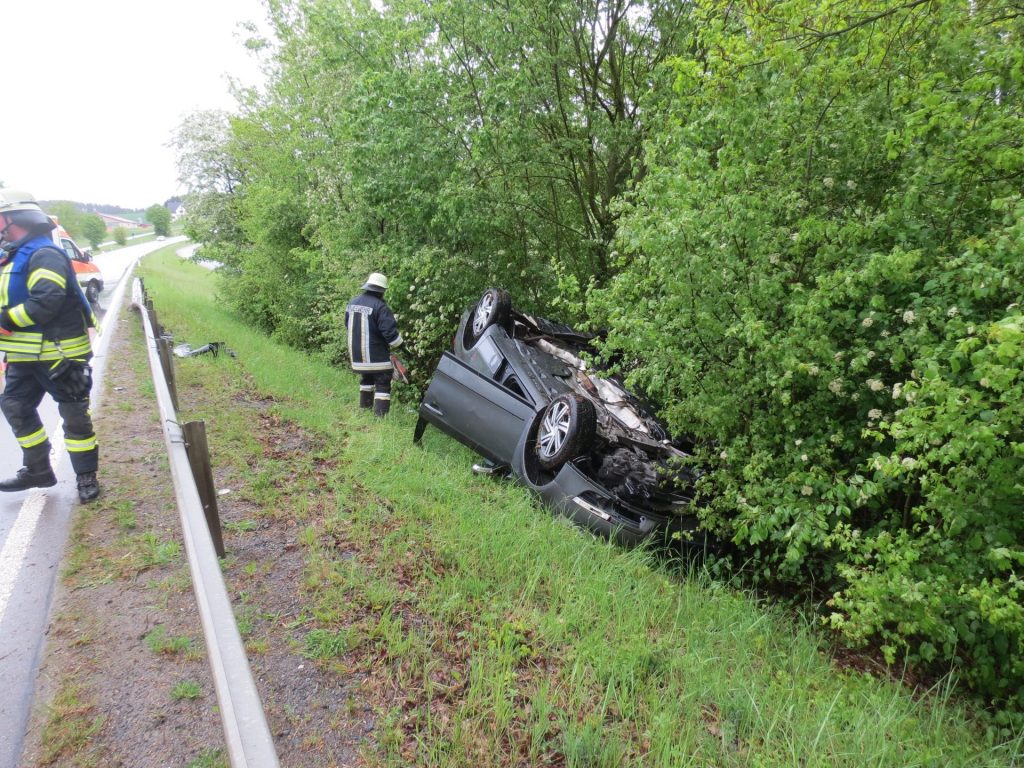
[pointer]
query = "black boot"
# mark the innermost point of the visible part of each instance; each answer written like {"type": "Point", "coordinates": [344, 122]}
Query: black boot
{"type": "Point", "coordinates": [30, 477]}
{"type": "Point", "coordinates": [381, 407]}
{"type": "Point", "coordinates": [88, 487]}
{"type": "Point", "coordinates": [365, 399]}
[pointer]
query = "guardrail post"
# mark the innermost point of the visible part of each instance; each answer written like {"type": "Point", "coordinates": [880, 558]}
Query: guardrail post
{"type": "Point", "coordinates": [166, 360]}
{"type": "Point", "coordinates": [198, 451]}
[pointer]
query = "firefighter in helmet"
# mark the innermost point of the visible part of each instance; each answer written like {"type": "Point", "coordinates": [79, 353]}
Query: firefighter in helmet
{"type": "Point", "coordinates": [372, 334]}
{"type": "Point", "coordinates": [44, 332]}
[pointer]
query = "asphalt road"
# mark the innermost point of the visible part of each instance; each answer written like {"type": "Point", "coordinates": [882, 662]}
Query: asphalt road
{"type": "Point", "coordinates": [34, 527]}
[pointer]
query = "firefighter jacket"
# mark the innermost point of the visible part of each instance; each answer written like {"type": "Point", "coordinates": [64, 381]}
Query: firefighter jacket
{"type": "Point", "coordinates": [48, 311]}
{"type": "Point", "coordinates": [372, 333]}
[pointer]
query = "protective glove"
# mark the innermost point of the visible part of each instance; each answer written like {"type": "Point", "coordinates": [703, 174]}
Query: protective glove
{"type": "Point", "coordinates": [6, 323]}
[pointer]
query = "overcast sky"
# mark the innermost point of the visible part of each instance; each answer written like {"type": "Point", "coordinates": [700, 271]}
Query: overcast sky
{"type": "Point", "coordinates": [92, 91]}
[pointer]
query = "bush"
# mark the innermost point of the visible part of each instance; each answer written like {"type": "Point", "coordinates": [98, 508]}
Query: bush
{"type": "Point", "coordinates": [820, 282]}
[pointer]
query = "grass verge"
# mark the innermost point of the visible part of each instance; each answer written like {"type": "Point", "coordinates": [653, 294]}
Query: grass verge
{"type": "Point", "coordinates": [71, 723]}
{"type": "Point", "coordinates": [498, 635]}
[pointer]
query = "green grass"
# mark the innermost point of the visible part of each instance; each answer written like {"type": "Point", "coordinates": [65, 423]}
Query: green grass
{"type": "Point", "coordinates": [124, 515]}
{"type": "Point", "coordinates": [515, 638]}
{"type": "Point", "coordinates": [240, 526]}
{"type": "Point", "coordinates": [186, 690]}
{"type": "Point", "coordinates": [160, 642]}
{"type": "Point", "coordinates": [71, 722]}
{"type": "Point", "coordinates": [152, 551]}
{"type": "Point", "coordinates": [211, 759]}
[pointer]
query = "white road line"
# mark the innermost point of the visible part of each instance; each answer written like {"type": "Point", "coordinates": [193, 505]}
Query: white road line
{"type": "Point", "coordinates": [12, 558]}
{"type": "Point", "coordinates": [16, 547]}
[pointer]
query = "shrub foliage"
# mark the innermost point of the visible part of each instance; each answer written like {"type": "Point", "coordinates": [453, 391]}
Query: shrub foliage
{"type": "Point", "coordinates": [800, 223]}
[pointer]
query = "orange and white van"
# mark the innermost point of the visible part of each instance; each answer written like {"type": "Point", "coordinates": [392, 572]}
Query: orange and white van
{"type": "Point", "coordinates": [89, 276]}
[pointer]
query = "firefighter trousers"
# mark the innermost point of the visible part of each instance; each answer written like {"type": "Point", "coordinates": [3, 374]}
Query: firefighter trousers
{"type": "Point", "coordinates": [23, 392]}
{"type": "Point", "coordinates": [375, 390]}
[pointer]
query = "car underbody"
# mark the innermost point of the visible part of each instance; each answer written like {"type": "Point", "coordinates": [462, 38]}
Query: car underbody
{"type": "Point", "coordinates": [633, 453]}
{"type": "Point", "coordinates": [519, 390]}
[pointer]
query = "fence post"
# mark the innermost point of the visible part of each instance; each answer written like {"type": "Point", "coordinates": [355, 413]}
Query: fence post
{"type": "Point", "coordinates": [198, 451]}
{"type": "Point", "coordinates": [163, 348]}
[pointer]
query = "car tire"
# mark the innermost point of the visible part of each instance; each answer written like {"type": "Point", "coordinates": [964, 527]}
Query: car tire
{"type": "Point", "coordinates": [566, 430]}
{"type": "Point", "coordinates": [494, 308]}
{"type": "Point", "coordinates": [92, 292]}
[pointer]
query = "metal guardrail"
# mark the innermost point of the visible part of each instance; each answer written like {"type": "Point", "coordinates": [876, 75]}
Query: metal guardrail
{"type": "Point", "coordinates": [248, 737]}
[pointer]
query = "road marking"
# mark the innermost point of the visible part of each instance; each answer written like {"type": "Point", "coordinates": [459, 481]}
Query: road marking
{"type": "Point", "coordinates": [12, 559]}
{"type": "Point", "coordinates": [15, 551]}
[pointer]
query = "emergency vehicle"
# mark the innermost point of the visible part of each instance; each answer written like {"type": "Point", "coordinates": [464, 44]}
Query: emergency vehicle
{"type": "Point", "coordinates": [89, 276]}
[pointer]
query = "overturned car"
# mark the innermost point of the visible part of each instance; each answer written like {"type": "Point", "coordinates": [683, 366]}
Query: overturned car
{"type": "Point", "coordinates": [515, 389]}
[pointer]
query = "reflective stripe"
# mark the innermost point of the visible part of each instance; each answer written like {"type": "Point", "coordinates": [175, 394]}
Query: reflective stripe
{"type": "Point", "coordinates": [382, 396]}
{"type": "Point", "coordinates": [351, 334]}
{"type": "Point", "coordinates": [366, 387]}
{"type": "Point", "coordinates": [21, 343]}
{"type": "Point", "coordinates": [76, 347]}
{"type": "Point", "coordinates": [80, 446]}
{"type": "Point", "coordinates": [36, 438]}
{"type": "Point", "coordinates": [397, 342]}
{"type": "Point", "coordinates": [46, 274]}
{"type": "Point", "coordinates": [365, 339]}
{"type": "Point", "coordinates": [371, 367]}
{"type": "Point", "coordinates": [28, 347]}
{"type": "Point", "coordinates": [5, 281]}
{"type": "Point", "coordinates": [20, 316]}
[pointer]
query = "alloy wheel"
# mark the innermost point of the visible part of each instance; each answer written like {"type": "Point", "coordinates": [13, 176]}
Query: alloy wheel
{"type": "Point", "coordinates": [553, 429]}
{"type": "Point", "coordinates": [482, 316]}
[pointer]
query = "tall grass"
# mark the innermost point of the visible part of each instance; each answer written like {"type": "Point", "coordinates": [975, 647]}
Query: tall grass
{"type": "Point", "coordinates": [516, 638]}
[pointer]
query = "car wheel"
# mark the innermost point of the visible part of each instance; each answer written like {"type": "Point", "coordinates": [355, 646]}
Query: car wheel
{"type": "Point", "coordinates": [92, 292]}
{"type": "Point", "coordinates": [566, 430]}
{"type": "Point", "coordinates": [494, 308]}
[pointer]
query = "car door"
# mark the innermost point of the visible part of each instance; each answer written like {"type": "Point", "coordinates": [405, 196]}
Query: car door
{"type": "Point", "coordinates": [475, 409]}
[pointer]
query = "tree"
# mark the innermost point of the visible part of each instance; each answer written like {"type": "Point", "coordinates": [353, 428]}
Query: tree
{"type": "Point", "coordinates": [94, 229]}
{"type": "Point", "coordinates": [160, 218]}
{"type": "Point", "coordinates": [120, 235]}
{"type": "Point", "coordinates": [208, 167]}
{"type": "Point", "coordinates": [454, 149]}
{"type": "Point", "coordinates": [205, 161]}
{"type": "Point", "coordinates": [69, 217]}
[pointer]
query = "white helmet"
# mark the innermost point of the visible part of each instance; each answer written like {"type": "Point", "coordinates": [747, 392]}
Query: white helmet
{"type": "Point", "coordinates": [376, 281]}
{"type": "Point", "coordinates": [20, 208]}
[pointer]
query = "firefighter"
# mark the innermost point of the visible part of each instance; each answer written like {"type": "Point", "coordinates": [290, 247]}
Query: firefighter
{"type": "Point", "coordinates": [372, 334]}
{"type": "Point", "coordinates": [44, 332]}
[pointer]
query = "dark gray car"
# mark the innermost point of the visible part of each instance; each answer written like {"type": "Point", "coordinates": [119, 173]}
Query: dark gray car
{"type": "Point", "coordinates": [515, 389]}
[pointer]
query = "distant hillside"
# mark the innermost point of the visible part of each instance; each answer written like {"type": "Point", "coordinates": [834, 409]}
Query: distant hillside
{"type": "Point", "coordinates": [113, 210]}
{"type": "Point", "coordinates": [135, 214]}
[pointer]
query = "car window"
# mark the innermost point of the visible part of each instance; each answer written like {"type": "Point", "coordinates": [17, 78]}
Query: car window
{"type": "Point", "coordinates": [510, 382]}
{"type": "Point", "coordinates": [72, 249]}
{"type": "Point", "coordinates": [490, 356]}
